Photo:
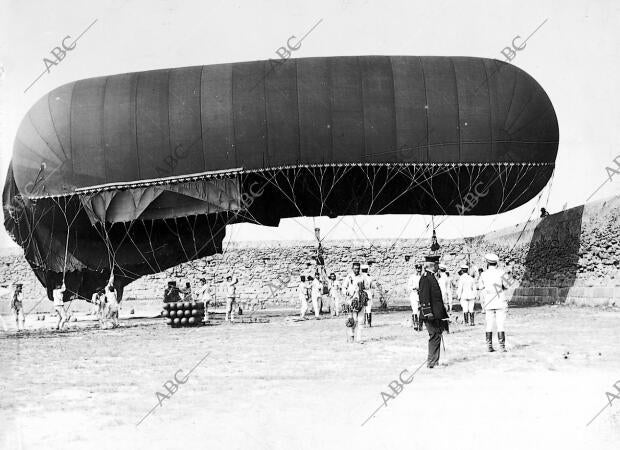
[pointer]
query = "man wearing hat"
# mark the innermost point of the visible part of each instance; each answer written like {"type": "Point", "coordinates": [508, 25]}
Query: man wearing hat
{"type": "Point", "coordinates": [368, 286]}
{"type": "Point", "coordinates": [466, 294]}
{"type": "Point", "coordinates": [352, 289]}
{"type": "Point", "coordinates": [492, 285]}
{"type": "Point", "coordinates": [413, 284]}
{"type": "Point", "coordinates": [444, 285]}
{"type": "Point", "coordinates": [432, 309]}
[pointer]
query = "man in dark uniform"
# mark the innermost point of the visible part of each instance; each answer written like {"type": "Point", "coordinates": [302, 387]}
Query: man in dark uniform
{"type": "Point", "coordinates": [434, 313]}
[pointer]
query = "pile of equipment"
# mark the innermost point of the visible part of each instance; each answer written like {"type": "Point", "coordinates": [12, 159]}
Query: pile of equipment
{"type": "Point", "coordinates": [183, 314]}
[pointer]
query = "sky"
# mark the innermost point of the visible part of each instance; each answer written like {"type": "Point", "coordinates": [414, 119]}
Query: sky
{"type": "Point", "coordinates": [574, 56]}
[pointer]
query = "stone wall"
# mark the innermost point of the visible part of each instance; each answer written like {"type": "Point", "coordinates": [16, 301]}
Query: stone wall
{"type": "Point", "coordinates": [572, 251]}
{"type": "Point", "coordinates": [573, 254]}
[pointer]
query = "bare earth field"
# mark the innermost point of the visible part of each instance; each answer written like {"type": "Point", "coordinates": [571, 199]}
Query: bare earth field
{"type": "Point", "coordinates": [291, 384]}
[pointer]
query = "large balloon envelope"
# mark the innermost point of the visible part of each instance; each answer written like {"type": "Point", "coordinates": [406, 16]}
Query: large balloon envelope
{"type": "Point", "coordinates": [139, 172]}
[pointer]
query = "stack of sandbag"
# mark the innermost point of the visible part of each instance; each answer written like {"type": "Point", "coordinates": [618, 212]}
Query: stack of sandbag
{"type": "Point", "coordinates": [183, 314]}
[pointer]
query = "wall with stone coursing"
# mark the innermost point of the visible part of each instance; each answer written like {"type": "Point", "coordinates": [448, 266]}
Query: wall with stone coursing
{"type": "Point", "coordinates": [569, 257]}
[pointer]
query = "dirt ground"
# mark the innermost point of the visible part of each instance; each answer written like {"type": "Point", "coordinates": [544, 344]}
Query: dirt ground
{"type": "Point", "coordinates": [290, 384]}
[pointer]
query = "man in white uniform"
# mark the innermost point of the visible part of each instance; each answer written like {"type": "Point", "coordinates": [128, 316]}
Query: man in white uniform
{"type": "Point", "coordinates": [59, 305]}
{"type": "Point", "coordinates": [203, 295]}
{"type": "Point", "coordinates": [413, 284]}
{"type": "Point", "coordinates": [466, 294]}
{"type": "Point", "coordinates": [102, 308]}
{"type": "Point", "coordinates": [111, 299]}
{"type": "Point", "coordinates": [302, 294]}
{"type": "Point", "coordinates": [334, 294]}
{"type": "Point", "coordinates": [231, 297]}
{"type": "Point", "coordinates": [315, 293]}
{"type": "Point", "coordinates": [492, 284]}
{"type": "Point", "coordinates": [369, 284]}
{"type": "Point", "coordinates": [94, 304]}
{"type": "Point", "coordinates": [444, 285]}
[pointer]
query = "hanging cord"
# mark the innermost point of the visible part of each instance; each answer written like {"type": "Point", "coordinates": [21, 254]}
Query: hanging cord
{"type": "Point", "coordinates": [64, 268]}
{"type": "Point", "coordinates": [110, 248]}
{"type": "Point", "coordinates": [550, 186]}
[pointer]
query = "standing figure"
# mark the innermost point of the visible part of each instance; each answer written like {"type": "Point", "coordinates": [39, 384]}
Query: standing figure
{"type": "Point", "coordinates": [309, 282]}
{"type": "Point", "coordinates": [112, 302]}
{"type": "Point", "coordinates": [204, 296]}
{"type": "Point", "coordinates": [231, 296]}
{"type": "Point", "coordinates": [187, 292]}
{"type": "Point", "coordinates": [492, 285]}
{"type": "Point", "coordinates": [477, 275]}
{"type": "Point", "coordinates": [453, 282]}
{"type": "Point", "coordinates": [316, 289]}
{"type": "Point", "coordinates": [59, 305]}
{"type": "Point", "coordinates": [432, 309]}
{"type": "Point", "coordinates": [466, 294]}
{"type": "Point", "coordinates": [444, 285]}
{"type": "Point", "coordinates": [302, 294]}
{"type": "Point", "coordinates": [94, 304]}
{"type": "Point", "coordinates": [172, 293]}
{"type": "Point", "coordinates": [369, 285]}
{"type": "Point", "coordinates": [17, 306]}
{"type": "Point", "coordinates": [102, 308]}
{"type": "Point", "coordinates": [353, 282]}
{"type": "Point", "coordinates": [334, 294]}
{"type": "Point", "coordinates": [413, 284]}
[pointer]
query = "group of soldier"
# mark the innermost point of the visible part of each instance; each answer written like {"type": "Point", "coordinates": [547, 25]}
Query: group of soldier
{"type": "Point", "coordinates": [466, 291]}
{"type": "Point", "coordinates": [430, 294]}
{"type": "Point", "coordinates": [430, 288]}
{"type": "Point", "coordinates": [204, 294]}
{"type": "Point", "coordinates": [351, 295]}
{"type": "Point", "coordinates": [431, 299]}
{"type": "Point", "coordinates": [104, 301]}
{"type": "Point", "coordinates": [105, 304]}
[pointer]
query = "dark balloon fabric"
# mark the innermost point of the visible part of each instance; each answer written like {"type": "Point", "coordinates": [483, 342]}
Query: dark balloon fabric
{"type": "Point", "coordinates": [262, 114]}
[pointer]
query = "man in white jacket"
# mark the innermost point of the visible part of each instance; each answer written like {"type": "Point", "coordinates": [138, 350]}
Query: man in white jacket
{"type": "Point", "coordinates": [466, 294]}
{"type": "Point", "coordinates": [492, 284]}
{"type": "Point", "coordinates": [316, 295]}
{"type": "Point", "coordinates": [59, 305]}
{"type": "Point", "coordinates": [444, 285]}
{"type": "Point", "coordinates": [413, 284]}
{"type": "Point", "coordinates": [334, 294]}
{"type": "Point", "coordinates": [231, 297]}
{"type": "Point", "coordinates": [302, 294]}
{"type": "Point", "coordinates": [203, 294]}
